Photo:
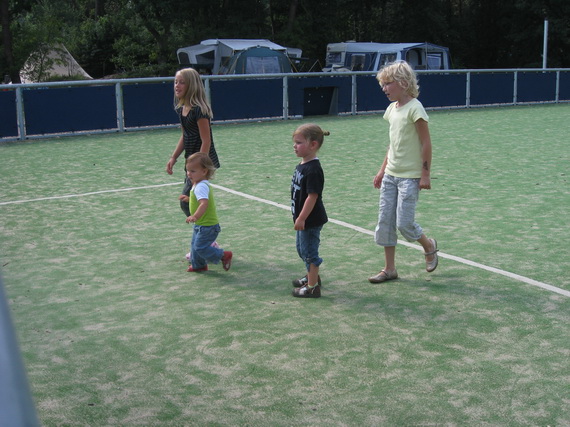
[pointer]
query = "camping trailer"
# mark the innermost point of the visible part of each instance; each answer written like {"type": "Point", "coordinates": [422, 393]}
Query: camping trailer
{"type": "Point", "coordinates": [370, 56]}
{"type": "Point", "coordinates": [238, 56]}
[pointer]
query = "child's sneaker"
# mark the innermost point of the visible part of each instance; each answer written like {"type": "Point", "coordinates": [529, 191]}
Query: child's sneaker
{"type": "Point", "coordinates": [306, 292]}
{"type": "Point", "coordinates": [227, 260]}
{"type": "Point", "coordinates": [197, 270]}
{"type": "Point", "coordinates": [299, 283]}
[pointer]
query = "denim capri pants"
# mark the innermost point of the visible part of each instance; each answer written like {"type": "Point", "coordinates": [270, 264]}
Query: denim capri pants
{"type": "Point", "coordinates": [308, 241]}
{"type": "Point", "coordinates": [398, 199]}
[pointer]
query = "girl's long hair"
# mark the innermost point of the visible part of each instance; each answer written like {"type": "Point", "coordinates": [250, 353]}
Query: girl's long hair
{"type": "Point", "coordinates": [195, 94]}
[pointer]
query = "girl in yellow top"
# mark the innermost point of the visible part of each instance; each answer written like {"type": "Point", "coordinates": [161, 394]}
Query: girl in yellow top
{"type": "Point", "coordinates": [405, 170]}
{"type": "Point", "coordinates": [200, 168]}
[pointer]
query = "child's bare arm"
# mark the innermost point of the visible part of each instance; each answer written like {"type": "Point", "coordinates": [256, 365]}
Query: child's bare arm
{"type": "Point", "coordinates": [423, 132]}
{"type": "Point", "coordinates": [177, 151]}
{"type": "Point", "coordinates": [377, 182]}
{"type": "Point", "coordinates": [204, 129]}
{"type": "Point", "coordinates": [305, 212]}
{"type": "Point", "coordinates": [203, 205]}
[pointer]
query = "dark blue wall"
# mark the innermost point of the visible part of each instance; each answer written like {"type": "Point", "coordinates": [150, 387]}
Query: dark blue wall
{"type": "Point", "coordinates": [69, 109]}
{"type": "Point", "coordinates": [149, 104]}
{"type": "Point", "coordinates": [9, 116]}
{"type": "Point", "coordinates": [246, 99]}
{"type": "Point", "coordinates": [58, 109]}
{"type": "Point", "coordinates": [536, 87]}
{"type": "Point", "coordinates": [564, 85]}
{"type": "Point", "coordinates": [442, 90]}
{"type": "Point", "coordinates": [491, 88]}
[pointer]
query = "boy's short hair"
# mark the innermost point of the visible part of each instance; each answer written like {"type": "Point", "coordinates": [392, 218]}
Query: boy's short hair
{"type": "Point", "coordinates": [401, 72]}
{"type": "Point", "coordinates": [204, 161]}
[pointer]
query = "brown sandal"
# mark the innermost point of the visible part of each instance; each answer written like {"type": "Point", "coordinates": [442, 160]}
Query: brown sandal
{"type": "Point", "coordinates": [383, 276]}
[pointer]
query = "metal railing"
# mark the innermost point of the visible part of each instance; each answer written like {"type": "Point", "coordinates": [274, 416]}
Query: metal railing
{"type": "Point", "coordinates": [44, 110]}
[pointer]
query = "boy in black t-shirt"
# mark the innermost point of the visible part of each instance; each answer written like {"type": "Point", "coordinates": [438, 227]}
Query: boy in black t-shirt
{"type": "Point", "coordinates": [307, 207]}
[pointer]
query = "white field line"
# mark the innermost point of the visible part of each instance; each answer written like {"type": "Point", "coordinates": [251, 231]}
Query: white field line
{"type": "Point", "coordinates": [418, 247]}
{"type": "Point", "coordinates": [71, 196]}
{"type": "Point", "coordinates": [508, 274]}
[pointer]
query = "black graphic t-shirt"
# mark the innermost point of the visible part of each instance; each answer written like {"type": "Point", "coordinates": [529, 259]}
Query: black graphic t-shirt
{"type": "Point", "coordinates": [308, 178]}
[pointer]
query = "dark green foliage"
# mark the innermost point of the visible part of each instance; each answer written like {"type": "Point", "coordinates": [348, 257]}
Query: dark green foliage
{"type": "Point", "coordinates": [140, 37]}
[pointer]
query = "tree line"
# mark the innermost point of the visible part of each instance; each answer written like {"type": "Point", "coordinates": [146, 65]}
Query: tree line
{"type": "Point", "coordinates": [139, 38]}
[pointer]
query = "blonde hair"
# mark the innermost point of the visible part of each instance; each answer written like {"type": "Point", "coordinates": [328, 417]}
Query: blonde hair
{"type": "Point", "coordinates": [204, 161]}
{"type": "Point", "coordinates": [195, 93]}
{"type": "Point", "coordinates": [312, 132]}
{"type": "Point", "coordinates": [402, 73]}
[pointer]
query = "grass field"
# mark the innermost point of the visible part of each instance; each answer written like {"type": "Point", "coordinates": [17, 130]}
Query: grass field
{"type": "Point", "coordinates": [114, 331]}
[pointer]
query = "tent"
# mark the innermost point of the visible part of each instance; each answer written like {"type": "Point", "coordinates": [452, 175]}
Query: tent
{"type": "Point", "coordinates": [53, 62]}
{"type": "Point", "coordinates": [370, 56]}
{"type": "Point", "coordinates": [259, 60]}
{"type": "Point", "coordinates": [222, 56]}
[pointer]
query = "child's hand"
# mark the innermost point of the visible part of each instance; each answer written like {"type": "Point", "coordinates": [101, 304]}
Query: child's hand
{"type": "Point", "coordinates": [184, 198]}
{"type": "Point", "coordinates": [425, 183]}
{"type": "Point", "coordinates": [190, 219]}
{"type": "Point", "coordinates": [378, 179]}
{"type": "Point", "coordinates": [299, 224]}
{"type": "Point", "coordinates": [170, 165]}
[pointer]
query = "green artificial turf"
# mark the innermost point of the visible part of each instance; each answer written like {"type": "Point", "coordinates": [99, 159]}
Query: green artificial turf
{"type": "Point", "coordinates": [114, 331]}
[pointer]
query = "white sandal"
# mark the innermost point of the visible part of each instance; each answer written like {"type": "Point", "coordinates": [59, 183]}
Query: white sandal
{"type": "Point", "coordinates": [432, 265]}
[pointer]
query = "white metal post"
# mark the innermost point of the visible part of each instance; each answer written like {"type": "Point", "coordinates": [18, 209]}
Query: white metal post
{"type": "Point", "coordinates": [545, 44]}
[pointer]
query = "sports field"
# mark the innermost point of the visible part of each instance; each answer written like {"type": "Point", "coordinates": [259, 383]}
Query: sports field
{"type": "Point", "coordinates": [114, 331]}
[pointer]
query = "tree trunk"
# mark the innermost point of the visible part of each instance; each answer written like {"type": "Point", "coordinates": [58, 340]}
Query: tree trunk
{"type": "Point", "coordinates": [292, 14]}
{"type": "Point", "coordinates": [99, 8]}
{"type": "Point", "coordinates": [7, 39]}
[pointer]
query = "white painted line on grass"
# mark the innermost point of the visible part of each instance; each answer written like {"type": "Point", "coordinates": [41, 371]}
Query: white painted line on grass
{"type": "Point", "coordinates": [70, 196]}
{"type": "Point", "coordinates": [411, 245]}
{"type": "Point", "coordinates": [334, 221]}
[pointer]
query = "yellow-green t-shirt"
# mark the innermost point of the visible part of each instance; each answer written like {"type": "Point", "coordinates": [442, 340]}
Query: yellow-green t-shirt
{"type": "Point", "coordinates": [200, 191]}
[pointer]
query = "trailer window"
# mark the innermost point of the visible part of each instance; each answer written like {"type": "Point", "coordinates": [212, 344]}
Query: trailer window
{"type": "Point", "coordinates": [334, 58]}
{"type": "Point", "coordinates": [385, 58]}
{"type": "Point", "coordinates": [183, 58]}
{"type": "Point", "coordinates": [435, 61]}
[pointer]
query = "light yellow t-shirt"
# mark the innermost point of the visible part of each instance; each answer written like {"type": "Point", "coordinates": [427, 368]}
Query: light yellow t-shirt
{"type": "Point", "coordinates": [405, 154]}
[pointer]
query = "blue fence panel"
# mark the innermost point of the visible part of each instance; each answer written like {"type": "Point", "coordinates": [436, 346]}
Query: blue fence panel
{"type": "Point", "coordinates": [149, 104]}
{"type": "Point", "coordinates": [369, 95]}
{"type": "Point", "coordinates": [442, 90]}
{"type": "Point", "coordinates": [564, 89]}
{"type": "Point", "coordinates": [69, 109]}
{"type": "Point", "coordinates": [51, 109]}
{"type": "Point", "coordinates": [536, 87]}
{"type": "Point", "coordinates": [338, 90]}
{"type": "Point", "coordinates": [9, 118]}
{"type": "Point", "coordinates": [246, 99]}
{"type": "Point", "coordinates": [491, 88]}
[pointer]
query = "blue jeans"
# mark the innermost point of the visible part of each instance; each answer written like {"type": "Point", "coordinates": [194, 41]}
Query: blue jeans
{"type": "Point", "coordinates": [202, 252]}
{"type": "Point", "coordinates": [308, 241]}
{"type": "Point", "coordinates": [398, 199]}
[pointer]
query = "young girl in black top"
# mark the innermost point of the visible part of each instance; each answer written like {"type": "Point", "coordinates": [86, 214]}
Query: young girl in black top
{"type": "Point", "coordinates": [195, 114]}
